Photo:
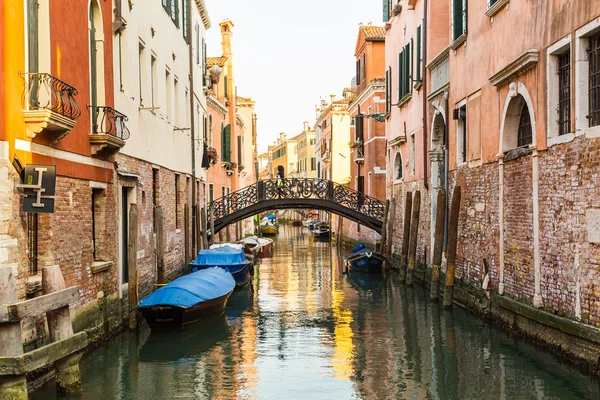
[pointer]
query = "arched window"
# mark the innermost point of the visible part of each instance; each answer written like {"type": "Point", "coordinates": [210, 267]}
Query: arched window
{"type": "Point", "coordinates": [398, 166]}
{"type": "Point", "coordinates": [96, 49]}
{"type": "Point", "coordinates": [524, 135]}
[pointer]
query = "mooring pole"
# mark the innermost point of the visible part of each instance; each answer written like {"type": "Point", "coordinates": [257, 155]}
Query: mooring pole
{"type": "Point", "coordinates": [160, 247]}
{"type": "Point", "coordinates": [414, 231]}
{"type": "Point", "coordinates": [452, 247]}
{"type": "Point", "coordinates": [384, 227]}
{"type": "Point", "coordinates": [132, 265]}
{"type": "Point", "coordinates": [186, 230]}
{"type": "Point", "coordinates": [204, 229]}
{"type": "Point", "coordinates": [212, 225]}
{"type": "Point", "coordinates": [390, 228]}
{"type": "Point", "coordinates": [438, 247]}
{"type": "Point", "coordinates": [405, 237]}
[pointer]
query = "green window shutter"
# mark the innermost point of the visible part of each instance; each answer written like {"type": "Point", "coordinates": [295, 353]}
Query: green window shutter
{"type": "Point", "coordinates": [175, 13]}
{"type": "Point", "coordinates": [186, 21]}
{"type": "Point", "coordinates": [464, 16]}
{"type": "Point", "coordinates": [419, 53]}
{"type": "Point", "coordinates": [387, 91]}
{"type": "Point", "coordinates": [33, 34]}
{"type": "Point", "coordinates": [457, 19]}
{"type": "Point", "coordinates": [411, 64]}
{"type": "Point", "coordinates": [203, 56]}
{"type": "Point", "coordinates": [198, 48]}
{"type": "Point", "coordinates": [226, 143]}
{"type": "Point", "coordinates": [407, 68]}
{"type": "Point", "coordinates": [386, 10]}
{"type": "Point", "coordinates": [400, 75]}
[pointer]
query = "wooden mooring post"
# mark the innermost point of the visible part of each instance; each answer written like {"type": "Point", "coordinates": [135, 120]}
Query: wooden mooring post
{"type": "Point", "coordinates": [198, 229]}
{"type": "Point", "coordinates": [384, 227]}
{"type": "Point", "coordinates": [438, 247]}
{"type": "Point", "coordinates": [63, 350]}
{"type": "Point", "coordinates": [204, 229]}
{"type": "Point", "coordinates": [414, 233]}
{"type": "Point", "coordinates": [186, 231]}
{"type": "Point", "coordinates": [390, 229]}
{"type": "Point", "coordinates": [132, 280]}
{"type": "Point", "coordinates": [212, 226]}
{"type": "Point", "coordinates": [405, 237]}
{"type": "Point", "coordinates": [452, 247]}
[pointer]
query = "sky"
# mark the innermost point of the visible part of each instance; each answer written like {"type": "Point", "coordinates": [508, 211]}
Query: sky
{"type": "Point", "coordinates": [288, 55]}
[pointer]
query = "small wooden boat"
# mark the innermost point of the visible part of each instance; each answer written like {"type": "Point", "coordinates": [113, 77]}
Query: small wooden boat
{"type": "Point", "coordinates": [365, 260]}
{"type": "Point", "coordinates": [266, 247]}
{"type": "Point", "coordinates": [320, 230]}
{"type": "Point", "coordinates": [269, 229]}
{"type": "Point", "coordinates": [190, 298]}
{"type": "Point", "coordinates": [261, 247]}
{"type": "Point", "coordinates": [228, 258]}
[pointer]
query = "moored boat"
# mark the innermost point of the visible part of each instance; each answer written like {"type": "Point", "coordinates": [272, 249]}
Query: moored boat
{"type": "Point", "coordinates": [320, 230]}
{"type": "Point", "coordinates": [365, 260]}
{"type": "Point", "coordinates": [228, 258]}
{"type": "Point", "coordinates": [190, 298]}
{"type": "Point", "coordinates": [269, 229]}
{"type": "Point", "coordinates": [261, 247]}
{"type": "Point", "coordinates": [307, 223]}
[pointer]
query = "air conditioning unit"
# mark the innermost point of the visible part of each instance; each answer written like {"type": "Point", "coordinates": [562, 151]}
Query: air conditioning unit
{"type": "Point", "coordinates": [207, 81]}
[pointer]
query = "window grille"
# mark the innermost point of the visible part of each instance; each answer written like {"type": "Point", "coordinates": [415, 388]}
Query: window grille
{"type": "Point", "coordinates": [594, 85]}
{"type": "Point", "coordinates": [564, 97]}
{"type": "Point", "coordinates": [524, 135]}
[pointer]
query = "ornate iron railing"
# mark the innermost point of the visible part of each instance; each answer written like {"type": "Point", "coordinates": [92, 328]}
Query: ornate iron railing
{"type": "Point", "coordinates": [297, 188]}
{"type": "Point", "coordinates": [46, 92]}
{"type": "Point", "coordinates": [107, 120]}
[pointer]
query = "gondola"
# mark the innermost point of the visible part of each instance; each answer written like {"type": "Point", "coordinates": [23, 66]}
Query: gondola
{"type": "Point", "coordinates": [190, 298]}
{"type": "Point", "coordinates": [228, 258]}
{"type": "Point", "coordinates": [320, 230]}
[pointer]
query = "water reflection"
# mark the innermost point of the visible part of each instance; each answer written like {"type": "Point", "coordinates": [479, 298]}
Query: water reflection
{"type": "Point", "coordinates": [309, 329]}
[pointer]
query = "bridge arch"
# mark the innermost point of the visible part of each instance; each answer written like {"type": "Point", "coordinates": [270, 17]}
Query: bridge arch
{"type": "Point", "coordinates": [304, 193]}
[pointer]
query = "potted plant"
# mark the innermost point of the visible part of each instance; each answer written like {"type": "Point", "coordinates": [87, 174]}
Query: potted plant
{"type": "Point", "coordinates": [240, 168]}
{"type": "Point", "coordinates": [212, 155]}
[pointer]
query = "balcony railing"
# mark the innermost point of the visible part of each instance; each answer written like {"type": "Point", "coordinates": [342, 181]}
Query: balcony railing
{"type": "Point", "coordinates": [108, 121]}
{"type": "Point", "coordinates": [46, 92]}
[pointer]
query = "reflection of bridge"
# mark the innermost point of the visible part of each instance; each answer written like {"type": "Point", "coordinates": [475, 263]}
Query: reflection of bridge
{"type": "Point", "coordinates": [315, 194]}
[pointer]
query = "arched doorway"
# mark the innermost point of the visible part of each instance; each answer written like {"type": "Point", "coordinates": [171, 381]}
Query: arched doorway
{"type": "Point", "coordinates": [437, 158]}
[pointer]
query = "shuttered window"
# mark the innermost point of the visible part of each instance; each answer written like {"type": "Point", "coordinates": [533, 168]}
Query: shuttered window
{"type": "Point", "coordinates": [388, 90]}
{"type": "Point", "coordinates": [363, 66]}
{"type": "Point", "coordinates": [405, 71]}
{"type": "Point", "coordinates": [564, 93]}
{"type": "Point", "coordinates": [198, 48]}
{"type": "Point", "coordinates": [594, 80]}
{"type": "Point", "coordinates": [226, 143]}
{"type": "Point", "coordinates": [203, 56]}
{"type": "Point", "coordinates": [419, 59]}
{"type": "Point", "coordinates": [239, 151]}
{"type": "Point", "coordinates": [186, 21]}
{"type": "Point", "coordinates": [387, 7]}
{"type": "Point", "coordinates": [459, 18]}
{"type": "Point", "coordinates": [175, 12]}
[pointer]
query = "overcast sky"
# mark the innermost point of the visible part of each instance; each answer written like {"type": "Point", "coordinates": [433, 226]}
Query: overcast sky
{"type": "Point", "coordinates": [289, 54]}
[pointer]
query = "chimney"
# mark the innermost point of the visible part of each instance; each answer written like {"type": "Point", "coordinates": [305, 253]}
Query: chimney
{"type": "Point", "coordinates": [226, 34]}
{"type": "Point", "coordinates": [306, 126]}
{"type": "Point", "coordinates": [332, 97]}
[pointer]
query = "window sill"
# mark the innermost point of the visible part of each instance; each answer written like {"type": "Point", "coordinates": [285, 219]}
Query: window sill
{"type": "Point", "coordinates": [397, 181]}
{"type": "Point", "coordinates": [561, 139]}
{"type": "Point", "coordinates": [459, 41]}
{"type": "Point", "coordinates": [495, 9]}
{"type": "Point", "coordinates": [418, 85]}
{"type": "Point", "coordinates": [101, 266]}
{"type": "Point", "coordinates": [404, 100]}
{"type": "Point", "coordinates": [592, 132]}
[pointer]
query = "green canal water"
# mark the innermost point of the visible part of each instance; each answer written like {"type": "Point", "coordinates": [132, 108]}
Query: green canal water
{"type": "Point", "coordinates": [308, 330]}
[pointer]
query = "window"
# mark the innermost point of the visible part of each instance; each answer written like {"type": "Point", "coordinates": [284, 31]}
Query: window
{"type": "Point", "coordinates": [460, 115]}
{"type": "Point", "coordinates": [211, 192]}
{"type": "Point", "coordinates": [98, 217]}
{"type": "Point", "coordinates": [491, 3]}
{"type": "Point", "coordinates": [239, 153]}
{"type": "Point", "coordinates": [33, 34]}
{"type": "Point", "coordinates": [198, 49]}
{"type": "Point", "coordinates": [419, 59]}
{"type": "Point", "coordinates": [388, 90]}
{"type": "Point", "coordinates": [412, 154]}
{"type": "Point", "coordinates": [313, 163]}
{"type": "Point", "coordinates": [186, 21]}
{"type": "Point", "coordinates": [398, 166]}
{"type": "Point", "coordinates": [177, 107]}
{"type": "Point", "coordinates": [387, 8]}
{"type": "Point", "coordinates": [564, 94]}
{"type": "Point", "coordinates": [459, 18]}
{"type": "Point", "coordinates": [172, 9]}
{"type": "Point", "coordinates": [210, 130]}
{"type": "Point", "coordinates": [177, 218]}
{"type": "Point", "coordinates": [226, 143]}
{"type": "Point", "coordinates": [168, 97]}
{"type": "Point", "coordinates": [32, 242]}
{"type": "Point", "coordinates": [404, 71]}
{"type": "Point", "coordinates": [141, 74]}
{"type": "Point", "coordinates": [524, 135]}
{"type": "Point", "coordinates": [594, 80]}
{"type": "Point", "coordinates": [153, 79]}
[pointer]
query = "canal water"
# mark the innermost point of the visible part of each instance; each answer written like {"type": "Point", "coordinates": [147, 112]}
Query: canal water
{"type": "Point", "coordinates": [308, 330]}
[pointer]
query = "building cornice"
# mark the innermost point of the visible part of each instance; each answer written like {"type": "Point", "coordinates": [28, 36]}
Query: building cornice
{"type": "Point", "coordinates": [203, 13]}
{"type": "Point", "coordinates": [215, 103]}
{"type": "Point", "coordinates": [441, 56]}
{"type": "Point", "coordinates": [367, 92]}
{"type": "Point", "coordinates": [518, 66]}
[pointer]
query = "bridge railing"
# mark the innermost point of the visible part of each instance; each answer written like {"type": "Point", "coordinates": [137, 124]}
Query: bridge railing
{"type": "Point", "coordinates": [297, 188]}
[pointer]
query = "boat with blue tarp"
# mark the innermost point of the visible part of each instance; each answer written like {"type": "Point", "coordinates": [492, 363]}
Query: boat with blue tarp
{"type": "Point", "coordinates": [228, 258]}
{"type": "Point", "coordinates": [188, 299]}
{"type": "Point", "coordinates": [365, 260]}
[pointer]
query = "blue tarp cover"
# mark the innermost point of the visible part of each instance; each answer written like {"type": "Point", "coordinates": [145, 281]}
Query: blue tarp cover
{"type": "Point", "coordinates": [222, 257]}
{"type": "Point", "coordinates": [359, 246]}
{"type": "Point", "coordinates": [192, 289]}
{"type": "Point", "coordinates": [271, 216]}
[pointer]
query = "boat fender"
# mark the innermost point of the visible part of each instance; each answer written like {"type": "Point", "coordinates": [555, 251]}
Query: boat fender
{"type": "Point", "coordinates": [369, 255]}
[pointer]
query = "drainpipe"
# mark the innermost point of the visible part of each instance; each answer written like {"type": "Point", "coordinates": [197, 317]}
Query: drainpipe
{"type": "Point", "coordinates": [192, 123]}
{"type": "Point", "coordinates": [425, 183]}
